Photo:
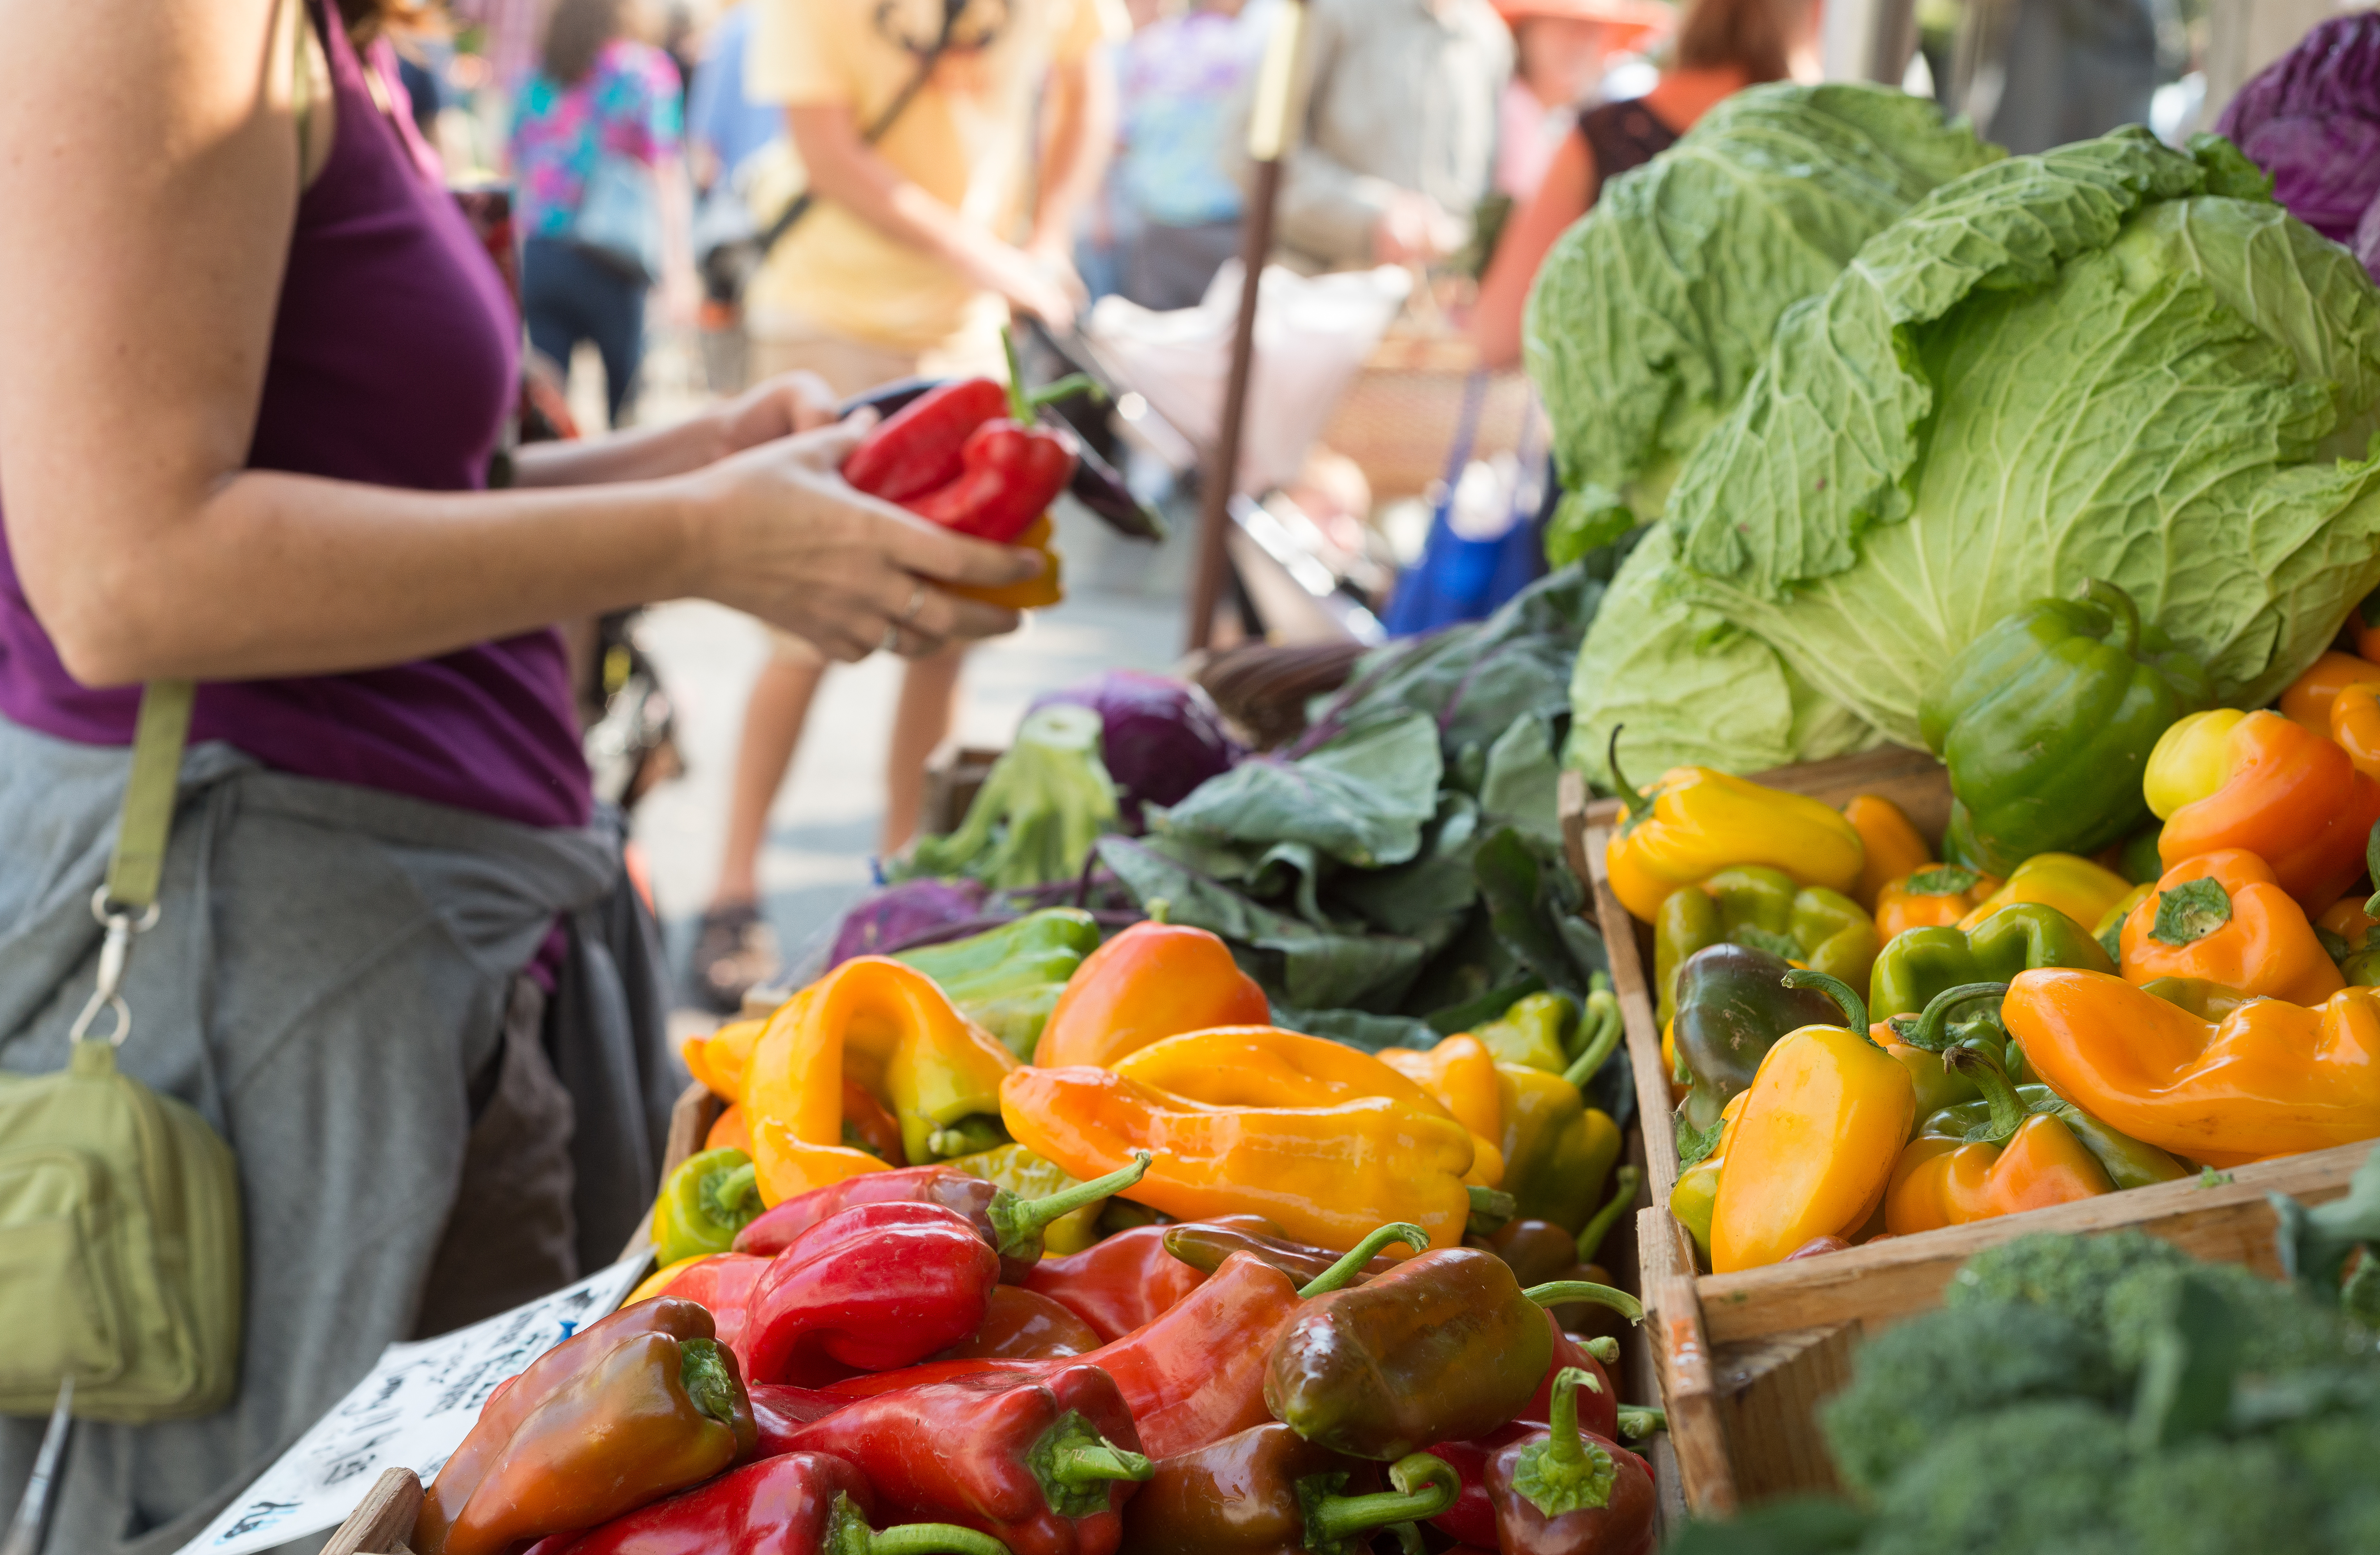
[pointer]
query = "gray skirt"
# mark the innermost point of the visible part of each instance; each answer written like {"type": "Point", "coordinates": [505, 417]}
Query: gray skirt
{"type": "Point", "coordinates": [425, 1136]}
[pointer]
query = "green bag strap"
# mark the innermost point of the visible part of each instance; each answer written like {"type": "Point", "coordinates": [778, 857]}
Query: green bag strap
{"type": "Point", "coordinates": [127, 903]}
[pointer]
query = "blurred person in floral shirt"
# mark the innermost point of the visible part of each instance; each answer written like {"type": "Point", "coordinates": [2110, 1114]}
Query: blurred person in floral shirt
{"type": "Point", "coordinates": [1182, 78]}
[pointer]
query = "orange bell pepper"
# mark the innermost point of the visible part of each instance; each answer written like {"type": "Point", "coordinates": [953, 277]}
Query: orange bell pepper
{"type": "Point", "coordinates": [2347, 918]}
{"type": "Point", "coordinates": [1047, 586]}
{"type": "Point", "coordinates": [728, 1132]}
{"type": "Point", "coordinates": [1461, 1074]}
{"type": "Point", "coordinates": [2355, 727]}
{"type": "Point", "coordinates": [1936, 897]}
{"type": "Point", "coordinates": [2220, 918]}
{"type": "Point", "coordinates": [2308, 700]}
{"type": "Point", "coordinates": [1327, 1175]}
{"type": "Point", "coordinates": [2290, 796]}
{"type": "Point", "coordinates": [720, 1059]}
{"type": "Point", "coordinates": [2270, 1078]}
{"type": "Point", "coordinates": [1892, 849]}
{"type": "Point", "coordinates": [1940, 1182]}
{"type": "Point", "coordinates": [1813, 1152]}
{"type": "Point", "coordinates": [1152, 981]}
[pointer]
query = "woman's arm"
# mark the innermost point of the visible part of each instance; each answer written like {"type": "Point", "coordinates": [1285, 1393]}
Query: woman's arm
{"type": "Point", "coordinates": [150, 181]}
{"type": "Point", "coordinates": [1567, 190]}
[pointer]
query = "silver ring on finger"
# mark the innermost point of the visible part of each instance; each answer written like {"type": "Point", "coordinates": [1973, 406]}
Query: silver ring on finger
{"type": "Point", "coordinates": [917, 602]}
{"type": "Point", "coordinates": [892, 643]}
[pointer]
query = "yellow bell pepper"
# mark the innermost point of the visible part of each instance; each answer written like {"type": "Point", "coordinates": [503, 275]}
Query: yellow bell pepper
{"type": "Point", "coordinates": [1558, 1150]}
{"type": "Point", "coordinates": [2191, 760]}
{"type": "Point", "coordinates": [1459, 1073]}
{"type": "Point", "coordinates": [1698, 821]}
{"type": "Point", "coordinates": [2072, 884]}
{"type": "Point", "coordinates": [890, 1028]}
{"type": "Point", "coordinates": [720, 1059]}
{"type": "Point", "coordinates": [1327, 1175]}
{"type": "Point", "coordinates": [1266, 1066]}
{"type": "Point", "coordinates": [1813, 1149]}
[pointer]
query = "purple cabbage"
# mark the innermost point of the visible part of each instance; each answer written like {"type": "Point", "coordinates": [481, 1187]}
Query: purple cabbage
{"type": "Point", "coordinates": [899, 914]}
{"type": "Point", "coordinates": [2311, 120]}
{"type": "Point", "coordinates": [1159, 738]}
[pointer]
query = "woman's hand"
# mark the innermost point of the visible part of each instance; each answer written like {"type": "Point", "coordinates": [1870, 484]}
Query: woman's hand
{"type": "Point", "coordinates": [788, 541]}
{"type": "Point", "coordinates": [780, 407]}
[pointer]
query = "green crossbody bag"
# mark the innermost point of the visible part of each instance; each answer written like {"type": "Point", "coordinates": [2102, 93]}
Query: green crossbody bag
{"type": "Point", "coordinates": [120, 1258]}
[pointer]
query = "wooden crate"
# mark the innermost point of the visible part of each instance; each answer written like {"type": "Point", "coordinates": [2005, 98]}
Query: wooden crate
{"type": "Point", "coordinates": [1744, 1359]}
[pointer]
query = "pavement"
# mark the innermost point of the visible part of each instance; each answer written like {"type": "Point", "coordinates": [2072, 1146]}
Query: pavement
{"type": "Point", "coordinates": [1124, 610]}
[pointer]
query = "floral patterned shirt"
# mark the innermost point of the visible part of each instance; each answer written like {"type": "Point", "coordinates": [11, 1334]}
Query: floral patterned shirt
{"type": "Point", "coordinates": [628, 104]}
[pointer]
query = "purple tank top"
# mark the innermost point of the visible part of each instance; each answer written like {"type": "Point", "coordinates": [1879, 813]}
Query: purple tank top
{"type": "Point", "coordinates": [395, 359]}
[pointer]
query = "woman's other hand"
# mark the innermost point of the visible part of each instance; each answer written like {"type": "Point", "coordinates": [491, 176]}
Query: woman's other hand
{"type": "Point", "coordinates": [779, 406]}
{"type": "Point", "coordinates": [788, 541]}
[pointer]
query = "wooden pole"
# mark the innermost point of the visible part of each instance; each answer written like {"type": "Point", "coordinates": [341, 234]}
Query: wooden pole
{"type": "Point", "coordinates": [1268, 136]}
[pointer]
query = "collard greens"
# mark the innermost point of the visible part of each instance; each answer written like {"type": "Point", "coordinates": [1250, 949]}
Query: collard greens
{"type": "Point", "coordinates": [2110, 360]}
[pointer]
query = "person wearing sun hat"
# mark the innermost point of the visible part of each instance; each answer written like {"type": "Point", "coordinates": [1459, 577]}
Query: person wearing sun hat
{"type": "Point", "coordinates": [1560, 48]}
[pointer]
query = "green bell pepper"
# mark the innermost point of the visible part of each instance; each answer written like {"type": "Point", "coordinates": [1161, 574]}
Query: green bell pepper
{"type": "Point", "coordinates": [706, 1201]}
{"type": "Point", "coordinates": [1921, 963]}
{"type": "Point", "coordinates": [1007, 980]}
{"type": "Point", "coordinates": [1031, 1176]}
{"type": "Point", "coordinates": [2047, 721]}
{"type": "Point", "coordinates": [1752, 905]}
{"type": "Point", "coordinates": [1732, 1006]}
{"type": "Point", "coordinates": [1535, 1032]}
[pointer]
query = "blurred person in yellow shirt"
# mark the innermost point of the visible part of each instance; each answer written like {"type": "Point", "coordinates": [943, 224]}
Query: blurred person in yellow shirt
{"type": "Point", "coordinates": [927, 227]}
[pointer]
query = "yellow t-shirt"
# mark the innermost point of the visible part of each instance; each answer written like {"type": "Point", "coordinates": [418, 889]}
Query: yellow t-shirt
{"type": "Point", "coordinates": [964, 139]}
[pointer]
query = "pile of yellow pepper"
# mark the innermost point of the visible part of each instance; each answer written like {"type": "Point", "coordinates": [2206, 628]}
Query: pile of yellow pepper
{"type": "Point", "coordinates": [2024, 1041]}
{"type": "Point", "coordinates": [1159, 1043]}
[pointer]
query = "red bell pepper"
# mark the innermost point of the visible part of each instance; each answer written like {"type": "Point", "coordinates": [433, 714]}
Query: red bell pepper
{"type": "Point", "coordinates": [801, 1503]}
{"type": "Point", "coordinates": [1472, 1518]}
{"type": "Point", "coordinates": [780, 1410]}
{"type": "Point", "coordinates": [1119, 1284]}
{"type": "Point", "coordinates": [1268, 1491]}
{"type": "Point", "coordinates": [1024, 1325]}
{"type": "Point", "coordinates": [874, 1287]}
{"type": "Point", "coordinates": [1042, 1464]}
{"type": "Point", "coordinates": [1011, 1226]}
{"type": "Point", "coordinates": [722, 1284]}
{"type": "Point", "coordinates": [1196, 1373]}
{"type": "Point", "coordinates": [915, 450]}
{"type": "Point", "coordinates": [1011, 472]}
{"type": "Point", "coordinates": [1563, 1491]}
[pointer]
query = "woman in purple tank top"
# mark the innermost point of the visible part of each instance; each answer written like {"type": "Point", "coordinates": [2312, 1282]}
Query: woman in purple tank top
{"type": "Point", "coordinates": [252, 370]}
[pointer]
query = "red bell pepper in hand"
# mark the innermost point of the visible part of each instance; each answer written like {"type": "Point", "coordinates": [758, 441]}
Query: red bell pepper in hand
{"type": "Point", "coordinates": [1127, 1281]}
{"type": "Point", "coordinates": [780, 1410]}
{"type": "Point", "coordinates": [1042, 1464]}
{"type": "Point", "coordinates": [1011, 472]}
{"type": "Point", "coordinates": [1564, 1492]}
{"type": "Point", "coordinates": [915, 450]}
{"type": "Point", "coordinates": [1196, 1373]}
{"type": "Point", "coordinates": [1024, 1325]}
{"type": "Point", "coordinates": [871, 1288]}
{"type": "Point", "coordinates": [802, 1504]}
{"type": "Point", "coordinates": [1011, 1225]}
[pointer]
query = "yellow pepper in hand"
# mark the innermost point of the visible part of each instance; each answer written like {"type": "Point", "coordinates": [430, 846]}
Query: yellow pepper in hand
{"type": "Point", "coordinates": [2072, 884]}
{"type": "Point", "coordinates": [1327, 1175]}
{"type": "Point", "coordinates": [2270, 1078]}
{"type": "Point", "coordinates": [890, 1028]}
{"type": "Point", "coordinates": [1699, 820]}
{"type": "Point", "coordinates": [2220, 919]}
{"type": "Point", "coordinates": [1814, 1148]}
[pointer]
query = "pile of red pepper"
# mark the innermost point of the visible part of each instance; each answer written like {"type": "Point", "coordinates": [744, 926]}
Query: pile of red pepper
{"type": "Point", "coordinates": [893, 1347]}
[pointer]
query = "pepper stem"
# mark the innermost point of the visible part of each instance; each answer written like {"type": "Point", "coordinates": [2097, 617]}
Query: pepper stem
{"type": "Point", "coordinates": [2009, 1111]}
{"type": "Point", "coordinates": [1020, 405]}
{"type": "Point", "coordinates": [1364, 1252]}
{"type": "Point", "coordinates": [1425, 1485]}
{"type": "Point", "coordinates": [1599, 1045]}
{"type": "Point", "coordinates": [1067, 388]}
{"type": "Point", "coordinates": [707, 1372]}
{"type": "Point", "coordinates": [1086, 1465]}
{"type": "Point", "coordinates": [1604, 1348]}
{"type": "Point", "coordinates": [2119, 605]}
{"type": "Point", "coordinates": [1076, 1466]}
{"type": "Point", "coordinates": [1624, 1183]}
{"type": "Point", "coordinates": [1565, 1473]}
{"type": "Point", "coordinates": [1490, 1209]}
{"type": "Point", "coordinates": [1611, 760]}
{"type": "Point", "coordinates": [732, 1192]}
{"type": "Point", "coordinates": [1847, 999]}
{"type": "Point", "coordinates": [1932, 1034]}
{"type": "Point", "coordinates": [1639, 1421]}
{"type": "Point", "coordinates": [1018, 1221]}
{"type": "Point", "coordinates": [1556, 1293]}
{"type": "Point", "coordinates": [847, 1533]}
